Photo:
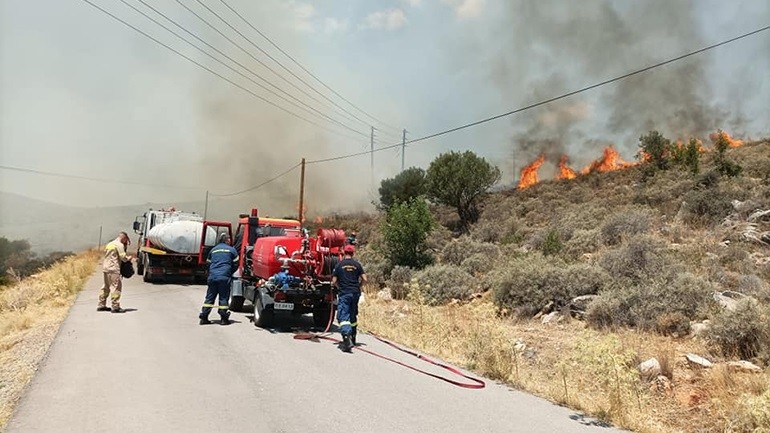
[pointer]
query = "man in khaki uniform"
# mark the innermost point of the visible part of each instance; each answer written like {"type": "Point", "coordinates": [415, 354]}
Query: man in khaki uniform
{"type": "Point", "coordinates": [114, 253]}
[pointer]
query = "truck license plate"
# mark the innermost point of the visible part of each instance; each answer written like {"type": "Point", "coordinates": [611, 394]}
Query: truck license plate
{"type": "Point", "coordinates": [283, 306]}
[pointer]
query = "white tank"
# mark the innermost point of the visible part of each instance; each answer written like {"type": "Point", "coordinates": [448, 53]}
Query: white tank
{"type": "Point", "coordinates": [180, 236]}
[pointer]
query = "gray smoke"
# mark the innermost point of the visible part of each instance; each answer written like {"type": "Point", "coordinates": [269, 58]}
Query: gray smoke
{"type": "Point", "coordinates": [580, 43]}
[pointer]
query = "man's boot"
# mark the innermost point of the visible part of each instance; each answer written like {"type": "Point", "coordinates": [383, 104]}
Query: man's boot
{"type": "Point", "coordinates": [347, 344]}
{"type": "Point", "coordinates": [225, 320]}
{"type": "Point", "coordinates": [204, 320]}
{"type": "Point", "coordinates": [353, 338]}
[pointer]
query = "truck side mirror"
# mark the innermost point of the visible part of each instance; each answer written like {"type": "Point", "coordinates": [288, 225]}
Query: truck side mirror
{"type": "Point", "coordinates": [137, 226]}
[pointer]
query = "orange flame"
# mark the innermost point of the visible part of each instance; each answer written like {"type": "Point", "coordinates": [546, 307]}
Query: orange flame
{"type": "Point", "coordinates": [714, 136]}
{"type": "Point", "coordinates": [529, 173]}
{"type": "Point", "coordinates": [565, 171]}
{"type": "Point", "coordinates": [610, 161]}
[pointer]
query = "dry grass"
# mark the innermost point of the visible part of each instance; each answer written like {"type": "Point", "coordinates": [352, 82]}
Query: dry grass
{"type": "Point", "coordinates": [30, 314]}
{"type": "Point", "coordinates": [585, 369]}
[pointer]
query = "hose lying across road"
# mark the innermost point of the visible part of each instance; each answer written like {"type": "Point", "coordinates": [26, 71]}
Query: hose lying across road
{"type": "Point", "coordinates": [325, 335]}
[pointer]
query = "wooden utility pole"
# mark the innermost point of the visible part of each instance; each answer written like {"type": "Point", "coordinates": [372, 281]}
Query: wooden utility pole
{"type": "Point", "coordinates": [98, 247]}
{"type": "Point", "coordinates": [371, 154]}
{"type": "Point", "coordinates": [302, 193]}
{"type": "Point", "coordinates": [206, 206]}
{"type": "Point", "coordinates": [403, 149]}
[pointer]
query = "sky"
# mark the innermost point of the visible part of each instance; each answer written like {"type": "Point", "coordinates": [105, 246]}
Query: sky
{"type": "Point", "coordinates": [83, 94]}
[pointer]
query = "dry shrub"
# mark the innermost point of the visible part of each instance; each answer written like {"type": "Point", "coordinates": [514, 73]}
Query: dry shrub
{"type": "Point", "coordinates": [622, 225]}
{"type": "Point", "coordinates": [528, 283]}
{"type": "Point", "coordinates": [400, 277]}
{"type": "Point", "coordinates": [455, 252]}
{"type": "Point", "coordinates": [582, 242]}
{"type": "Point", "coordinates": [437, 239]}
{"type": "Point", "coordinates": [661, 304]}
{"type": "Point", "coordinates": [477, 264]}
{"type": "Point", "coordinates": [442, 283]}
{"type": "Point", "coordinates": [491, 230]}
{"type": "Point", "coordinates": [639, 259]}
{"type": "Point", "coordinates": [742, 333]}
{"type": "Point", "coordinates": [706, 207]}
{"type": "Point", "coordinates": [376, 265]}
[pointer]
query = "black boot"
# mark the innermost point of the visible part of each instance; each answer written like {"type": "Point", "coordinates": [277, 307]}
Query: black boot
{"type": "Point", "coordinates": [204, 320]}
{"type": "Point", "coordinates": [353, 338]}
{"type": "Point", "coordinates": [347, 344]}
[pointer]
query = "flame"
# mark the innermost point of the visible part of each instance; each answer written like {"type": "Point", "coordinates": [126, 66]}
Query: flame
{"type": "Point", "coordinates": [610, 161]}
{"type": "Point", "coordinates": [714, 136]}
{"type": "Point", "coordinates": [565, 171]}
{"type": "Point", "coordinates": [529, 173]}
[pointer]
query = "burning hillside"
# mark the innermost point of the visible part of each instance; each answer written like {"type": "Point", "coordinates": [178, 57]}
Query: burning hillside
{"type": "Point", "coordinates": [609, 161]}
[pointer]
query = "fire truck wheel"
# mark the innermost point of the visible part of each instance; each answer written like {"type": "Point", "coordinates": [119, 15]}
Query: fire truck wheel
{"type": "Point", "coordinates": [263, 317]}
{"type": "Point", "coordinates": [236, 303]}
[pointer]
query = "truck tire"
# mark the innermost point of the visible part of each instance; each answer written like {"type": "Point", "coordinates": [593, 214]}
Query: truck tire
{"type": "Point", "coordinates": [263, 317]}
{"type": "Point", "coordinates": [236, 303]}
{"type": "Point", "coordinates": [321, 315]}
{"type": "Point", "coordinates": [140, 266]}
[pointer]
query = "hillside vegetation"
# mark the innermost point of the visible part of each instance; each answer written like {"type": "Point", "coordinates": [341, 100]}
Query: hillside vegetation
{"type": "Point", "coordinates": [664, 261]}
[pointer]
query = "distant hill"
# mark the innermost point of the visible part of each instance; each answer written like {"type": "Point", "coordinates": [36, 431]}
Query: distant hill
{"type": "Point", "coordinates": [51, 227]}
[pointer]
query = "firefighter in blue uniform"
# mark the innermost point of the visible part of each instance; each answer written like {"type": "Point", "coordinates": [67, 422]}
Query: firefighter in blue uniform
{"type": "Point", "coordinates": [348, 276]}
{"type": "Point", "coordinates": [223, 261]}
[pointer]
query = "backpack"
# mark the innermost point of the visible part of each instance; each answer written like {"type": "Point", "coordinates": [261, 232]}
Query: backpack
{"type": "Point", "coordinates": [127, 269]}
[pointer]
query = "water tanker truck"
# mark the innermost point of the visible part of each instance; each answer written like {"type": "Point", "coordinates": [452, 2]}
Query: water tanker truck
{"type": "Point", "coordinates": [173, 244]}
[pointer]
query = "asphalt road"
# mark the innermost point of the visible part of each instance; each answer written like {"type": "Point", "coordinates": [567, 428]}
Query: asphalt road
{"type": "Point", "coordinates": [154, 369]}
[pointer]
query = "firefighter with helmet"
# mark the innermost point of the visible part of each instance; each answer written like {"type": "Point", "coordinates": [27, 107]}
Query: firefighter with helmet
{"type": "Point", "coordinates": [348, 276]}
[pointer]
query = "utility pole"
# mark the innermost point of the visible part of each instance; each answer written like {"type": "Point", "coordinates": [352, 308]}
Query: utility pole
{"type": "Point", "coordinates": [302, 193]}
{"type": "Point", "coordinates": [371, 154]}
{"type": "Point", "coordinates": [403, 149]}
{"type": "Point", "coordinates": [206, 206]}
{"type": "Point", "coordinates": [98, 247]}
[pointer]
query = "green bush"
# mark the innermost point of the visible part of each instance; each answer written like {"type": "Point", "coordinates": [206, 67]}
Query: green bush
{"type": "Point", "coordinates": [528, 283]}
{"type": "Point", "coordinates": [742, 333]}
{"type": "Point", "coordinates": [620, 225]}
{"type": "Point", "coordinates": [442, 283]}
{"type": "Point", "coordinates": [405, 231]}
{"type": "Point", "coordinates": [660, 304]}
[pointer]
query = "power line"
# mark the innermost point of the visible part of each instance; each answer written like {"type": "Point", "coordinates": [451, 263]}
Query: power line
{"type": "Point", "coordinates": [232, 60]}
{"type": "Point", "coordinates": [304, 92]}
{"type": "Point", "coordinates": [296, 63]}
{"type": "Point", "coordinates": [96, 179]}
{"type": "Point", "coordinates": [547, 101]}
{"type": "Point", "coordinates": [245, 89]}
{"type": "Point", "coordinates": [284, 173]}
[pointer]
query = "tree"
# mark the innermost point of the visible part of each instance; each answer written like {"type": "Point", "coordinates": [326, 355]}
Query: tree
{"type": "Point", "coordinates": [407, 185]}
{"type": "Point", "coordinates": [459, 180]}
{"type": "Point", "coordinates": [405, 229]}
{"type": "Point", "coordinates": [656, 149]}
{"type": "Point", "coordinates": [724, 166]}
{"type": "Point", "coordinates": [687, 156]}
